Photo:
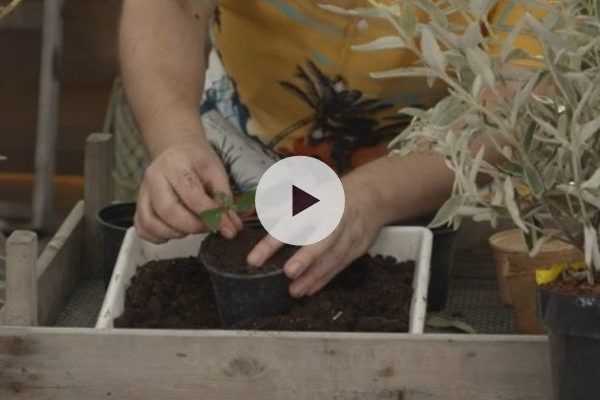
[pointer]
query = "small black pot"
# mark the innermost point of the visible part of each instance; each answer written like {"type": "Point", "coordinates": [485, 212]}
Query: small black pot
{"type": "Point", "coordinates": [114, 221]}
{"type": "Point", "coordinates": [242, 297]}
{"type": "Point", "coordinates": [442, 261]}
{"type": "Point", "coordinates": [573, 324]}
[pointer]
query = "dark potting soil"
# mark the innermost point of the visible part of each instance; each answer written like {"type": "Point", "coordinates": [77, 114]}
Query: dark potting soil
{"type": "Point", "coordinates": [371, 295]}
{"type": "Point", "coordinates": [229, 255]}
{"type": "Point", "coordinates": [575, 287]}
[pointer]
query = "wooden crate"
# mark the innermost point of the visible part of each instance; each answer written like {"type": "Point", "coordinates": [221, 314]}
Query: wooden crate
{"type": "Point", "coordinates": [73, 364]}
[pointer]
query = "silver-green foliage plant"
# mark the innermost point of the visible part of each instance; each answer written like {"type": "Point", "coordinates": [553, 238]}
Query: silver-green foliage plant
{"type": "Point", "coordinates": [539, 114]}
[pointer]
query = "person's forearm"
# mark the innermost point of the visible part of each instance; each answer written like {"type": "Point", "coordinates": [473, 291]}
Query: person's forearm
{"type": "Point", "coordinates": [162, 54]}
{"type": "Point", "coordinates": [403, 188]}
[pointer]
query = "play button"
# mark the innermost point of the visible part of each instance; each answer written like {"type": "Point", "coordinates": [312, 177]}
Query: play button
{"type": "Point", "coordinates": [300, 200]}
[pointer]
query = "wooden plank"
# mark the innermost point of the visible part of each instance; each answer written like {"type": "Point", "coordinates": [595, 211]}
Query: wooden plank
{"type": "Point", "coordinates": [73, 364]}
{"type": "Point", "coordinates": [48, 114]}
{"type": "Point", "coordinates": [21, 279]}
{"type": "Point", "coordinates": [98, 192]}
{"type": "Point", "coordinates": [59, 268]}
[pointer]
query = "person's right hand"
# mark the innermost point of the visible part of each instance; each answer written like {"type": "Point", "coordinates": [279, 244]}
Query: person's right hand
{"type": "Point", "coordinates": [178, 185]}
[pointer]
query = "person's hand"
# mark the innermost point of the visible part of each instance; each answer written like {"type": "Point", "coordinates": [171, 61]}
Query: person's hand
{"type": "Point", "coordinates": [178, 185]}
{"type": "Point", "coordinates": [312, 267]}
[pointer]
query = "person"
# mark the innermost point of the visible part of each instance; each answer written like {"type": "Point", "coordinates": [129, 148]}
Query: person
{"type": "Point", "coordinates": [287, 78]}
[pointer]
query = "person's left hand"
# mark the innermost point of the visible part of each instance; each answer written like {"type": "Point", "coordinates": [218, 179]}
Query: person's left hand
{"type": "Point", "coordinates": [312, 267]}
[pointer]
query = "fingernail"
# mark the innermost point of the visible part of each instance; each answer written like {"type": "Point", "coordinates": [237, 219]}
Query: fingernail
{"type": "Point", "coordinates": [293, 269]}
{"type": "Point", "coordinates": [228, 233]}
{"type": "Point", "coordinates": [297, 291]}
{"type": "Point", "coordinates": [254, 258]}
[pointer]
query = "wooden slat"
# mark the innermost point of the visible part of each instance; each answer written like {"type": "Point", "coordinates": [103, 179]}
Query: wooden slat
{"type": "Point", "coordinates": [48, 113]}
{"type": "Point", "coordinates": [60, 267]}
{"type": "Point", "coordinates": [21, 279]}
{"type": "Point", "coordinates": [98, 192]}
{"type": "Point", "coordinates": [86, 364]}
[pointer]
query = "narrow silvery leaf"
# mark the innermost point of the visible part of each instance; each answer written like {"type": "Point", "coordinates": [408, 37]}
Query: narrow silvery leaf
{"type": "Point", "coordinates": [591, 199]}
{"type": "Point", "coordinates": [534, 180]}
{"type": "Point", "coordinates": [480, 63]}
{"type": "Point", "coordinates": [477, 164]}
{"type": "Point", "coordinates": [539, 243]}
{"type": "Point", "coordinates": [470, 211]}
{"type": "Point", "coordinates": [511, 205]}
{"type": "Point", "coordinates": [476, 87]}
{"type": "Point", "coordinates": [544, 33]}
{"type": "Point", "coordinates": [522, 96]}
{"type": "Point", "coordinates": [382, 43]}
{"type": "Point", "coordinates": [447, 212]}
{"type": "Point", "coordinates": [412, 111]}
{"type": "Point", "coordinates": [548, 128]}
{"type": "Point", "coordinates": [357, 12]}
{"type": "Point", "coordinates": [403, 73]}
{"type": "Point", "coordinates": [472, 36]}
{"type": "Point", "coordinates": [508, 42]}
{"type": "Point", "coordinates": [408, 19]}
{"type": "Point", "coordinates": [589, 129]}
{"type": "Point", "coordinates": [590, 241]}
{"type": "Point", "coordinates": [593, 182]}
{"type": "Point", "coordinates": [433, 11]}
{"type": "Point", "coordinates": [479, 7]}
{"type": "Point", "coordinates": [431, 51]}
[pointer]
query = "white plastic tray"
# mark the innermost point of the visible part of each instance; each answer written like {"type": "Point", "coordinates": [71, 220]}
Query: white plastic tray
{"type": "Point", "coordinates": [404, 243]}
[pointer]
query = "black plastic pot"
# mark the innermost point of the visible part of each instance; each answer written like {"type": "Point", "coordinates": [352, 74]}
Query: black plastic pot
{"type": "Point", "coordinates": [442, 261]}
{"type": "Point", "coordinates": [114, 221]}
{"type": "Point", "coordinates": [242, 296]}
{"type": "Point", "coordinates": [573, 324]}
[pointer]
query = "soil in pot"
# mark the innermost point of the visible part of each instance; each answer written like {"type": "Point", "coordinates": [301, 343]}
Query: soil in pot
{"type": "Point", "coordinates": [241, 291]}
{"type": "Point", "coordinates": [571, 312]}
{"type": "Point", "coordinates": [371, 295]}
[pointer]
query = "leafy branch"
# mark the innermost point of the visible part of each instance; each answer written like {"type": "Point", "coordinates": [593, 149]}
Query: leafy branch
{"type": "Point", "coordinates": [540, 113]}
{"type": "Point", "coordinates": [241, 204]}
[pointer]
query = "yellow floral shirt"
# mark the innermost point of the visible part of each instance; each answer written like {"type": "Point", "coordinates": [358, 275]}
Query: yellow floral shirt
{"type": "Point", "coordinates": [301, 89]}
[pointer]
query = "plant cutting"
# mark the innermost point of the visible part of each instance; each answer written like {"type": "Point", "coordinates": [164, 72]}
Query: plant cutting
{"type": "Point", "coordinates": [521, 132]}
{"type": "Point", "coordinates": [242, 292]}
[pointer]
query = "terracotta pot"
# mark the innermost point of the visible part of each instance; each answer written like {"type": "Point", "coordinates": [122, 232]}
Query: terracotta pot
{"type": "Point", "coordinates": [515, 272]}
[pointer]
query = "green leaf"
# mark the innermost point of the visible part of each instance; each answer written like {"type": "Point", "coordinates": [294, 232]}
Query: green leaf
{"type": "Point", "coordinates": [223, 199]}
{"type": "Point", "coordinates": [212, 218]}
{"type": "Point", "coordinates": [245, 202]}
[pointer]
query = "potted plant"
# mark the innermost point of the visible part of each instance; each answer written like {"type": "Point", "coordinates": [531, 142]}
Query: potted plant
{"type": "Point", "coordinates": [242, 292]}
{"type": "Point", "coordinates": [521, 132]}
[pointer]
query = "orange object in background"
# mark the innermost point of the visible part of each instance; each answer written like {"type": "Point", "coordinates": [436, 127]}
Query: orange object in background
{"type": "Point", "coordinates": [17, 188]}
